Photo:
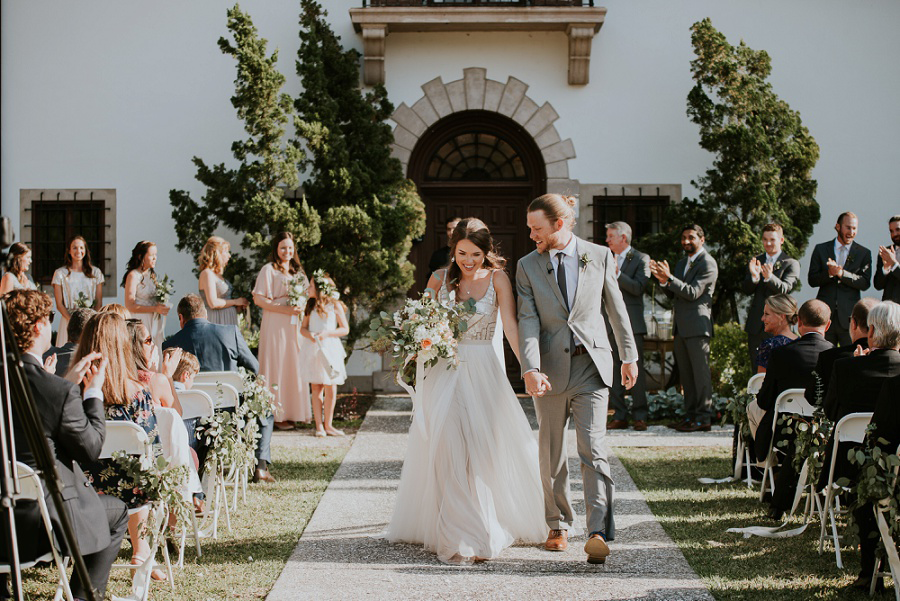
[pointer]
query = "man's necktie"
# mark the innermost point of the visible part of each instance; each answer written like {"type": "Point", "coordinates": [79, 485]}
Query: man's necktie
{"type": "Point", "coordinates": [561, 278]}
{"type": "Point", "coordinates": [842, 256]}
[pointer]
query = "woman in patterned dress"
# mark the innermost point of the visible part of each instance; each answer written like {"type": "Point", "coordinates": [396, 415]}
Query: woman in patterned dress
{"type": "Point", "coordinates": [214, 289]}
{"type": "Point", "coordinates": [78, 283]}
{"type": "Point", "coordinates": [124, 399]}
{"type": "Point", "coordinates": [779, 317]}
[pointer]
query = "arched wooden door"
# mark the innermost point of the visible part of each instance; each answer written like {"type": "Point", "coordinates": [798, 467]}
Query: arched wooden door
{"type": "Point", "coordinates": [477, 164]}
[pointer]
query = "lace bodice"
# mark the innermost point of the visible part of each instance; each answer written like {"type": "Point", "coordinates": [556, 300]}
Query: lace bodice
{"type": "Point", "coordinates": [482, 325]}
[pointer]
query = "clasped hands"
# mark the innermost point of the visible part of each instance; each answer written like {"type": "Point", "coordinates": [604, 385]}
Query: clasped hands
{"type": "Point", "coordinates": [834, 270]}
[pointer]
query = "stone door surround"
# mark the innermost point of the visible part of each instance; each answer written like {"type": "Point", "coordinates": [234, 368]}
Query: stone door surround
{"type": "Point", "coordinates": [475, 92]}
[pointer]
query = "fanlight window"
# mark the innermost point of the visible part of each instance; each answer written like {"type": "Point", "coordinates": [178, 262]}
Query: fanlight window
{"type": "Point", "coordinates": [477, 157]}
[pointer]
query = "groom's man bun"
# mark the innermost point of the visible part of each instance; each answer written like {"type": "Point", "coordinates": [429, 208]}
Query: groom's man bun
{"type": "Point", "coordinates": [555, 206]}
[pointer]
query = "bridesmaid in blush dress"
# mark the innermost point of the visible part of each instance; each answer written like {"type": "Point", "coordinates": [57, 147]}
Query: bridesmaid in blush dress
{"type": "Point", "coordinates": [76, 281]}
{"type": "Point", "coordinates": [214, 289]}
{"type": "Point", "coordinates": [279, 337]}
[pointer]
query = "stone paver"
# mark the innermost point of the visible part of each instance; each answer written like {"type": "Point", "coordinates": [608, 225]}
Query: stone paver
{"type": "Point", "coordinates": [341, 557]}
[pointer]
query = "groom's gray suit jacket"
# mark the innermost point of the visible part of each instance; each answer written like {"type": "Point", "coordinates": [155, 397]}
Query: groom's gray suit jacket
{"type": "Point", "coordinates": [545, 323]}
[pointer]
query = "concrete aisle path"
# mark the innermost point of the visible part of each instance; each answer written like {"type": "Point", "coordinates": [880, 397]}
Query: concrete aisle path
{"type": "Point", "coordinates": [340, 557]}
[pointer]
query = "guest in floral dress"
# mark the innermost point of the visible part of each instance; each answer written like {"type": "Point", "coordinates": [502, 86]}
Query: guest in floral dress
{"type": "Point", "coordinates": [77, 284]}
{"type": "Point", "coordinates": [140, 289]}
{"type": "Point", "coordinates": [779, 317]}
{"type": "Point", "coordinates": [125, 399]}
{"type": "Point", "coordinates": [215, 291]}
{"type": "Point", "coordinates": [279, 336]}
{"type": "Point", "coordinates": [18, 261]}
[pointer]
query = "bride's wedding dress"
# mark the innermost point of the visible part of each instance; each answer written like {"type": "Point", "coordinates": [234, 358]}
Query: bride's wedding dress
{"type": "Point", "coordinates": [470, 485]}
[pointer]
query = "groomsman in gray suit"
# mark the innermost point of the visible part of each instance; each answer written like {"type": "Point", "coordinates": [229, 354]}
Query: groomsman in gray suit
{"type": "Point", "coordinates": [887, 271]}
{"type": "Point", "coordinates": [772, 272]}
{"type": "Point", "coordinates": [633, 272]}
{"type": "Point", "coordinates": [564, 287]}
{"type": "Point", "coordinates": [841, 269]}
{"type": "Point", "coordinates": [692, 284]}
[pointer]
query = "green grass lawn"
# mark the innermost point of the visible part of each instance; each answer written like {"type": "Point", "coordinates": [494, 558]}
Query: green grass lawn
{"type": "Point", "coordinates": [696, 517]}
{"type": "Point", "coordinates": [266, 529]}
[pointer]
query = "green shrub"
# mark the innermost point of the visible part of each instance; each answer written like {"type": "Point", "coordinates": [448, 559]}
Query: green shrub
{"type": "Point", "coordinates": [728, 360]}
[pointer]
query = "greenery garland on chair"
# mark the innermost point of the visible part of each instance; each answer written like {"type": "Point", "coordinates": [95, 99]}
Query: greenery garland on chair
{"type": "Point", "coordinates": [877, 481]}
{"type": "Point", "coordinates": [159, 483]}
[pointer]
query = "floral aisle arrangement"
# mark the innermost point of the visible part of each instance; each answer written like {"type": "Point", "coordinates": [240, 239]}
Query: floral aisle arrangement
{"type": "Point", "coordinates": [424, 331]}
{"type": "Point", "coordinates": [161, 483]}
{"type": "Point", "coordinates": [232, 436]}
{"type": "Point", "coordinates": [165, 288]}
{"type": "Point", "coordinates": [297, 297]}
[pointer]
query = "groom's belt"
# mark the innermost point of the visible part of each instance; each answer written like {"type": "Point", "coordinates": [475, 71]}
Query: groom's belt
{"type": "Point", "coordinates": [579, 350]}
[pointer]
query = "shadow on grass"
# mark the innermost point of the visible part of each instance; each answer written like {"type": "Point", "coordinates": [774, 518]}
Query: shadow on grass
{"type": "Point", "coordinates": [696, 517]}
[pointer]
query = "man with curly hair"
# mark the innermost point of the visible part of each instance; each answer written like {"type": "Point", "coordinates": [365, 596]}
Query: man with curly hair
{"type": "Point", "coordinates": [74, 423]}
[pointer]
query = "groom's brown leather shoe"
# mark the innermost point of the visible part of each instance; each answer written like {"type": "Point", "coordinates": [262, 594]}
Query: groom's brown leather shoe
{"type": "Point", "coordinates": [617, 424]}
{"type": "Point", "coordinates": [557, 540]}
{"type": "Point", "coordinates": [596, 548]}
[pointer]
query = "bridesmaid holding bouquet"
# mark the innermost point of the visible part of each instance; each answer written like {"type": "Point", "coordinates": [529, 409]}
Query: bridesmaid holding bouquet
{"type": "Point", "coordinates": [214, 289]}
{"type": "Point", "coordinates": [140, 283]}
{"type": "Point", "coordinates": [279, 338]}
{"type": "Point", "coordinates": [78, 284]}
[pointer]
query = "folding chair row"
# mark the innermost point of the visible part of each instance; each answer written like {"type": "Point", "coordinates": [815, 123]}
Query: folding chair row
{"type": "Point", "coordinates": [789, 402]}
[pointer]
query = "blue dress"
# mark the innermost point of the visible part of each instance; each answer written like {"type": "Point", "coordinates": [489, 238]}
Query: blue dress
{"type": "Point", "coordinates": [767, 346]}
{"type": "Point", "coordinates": [105, 474]}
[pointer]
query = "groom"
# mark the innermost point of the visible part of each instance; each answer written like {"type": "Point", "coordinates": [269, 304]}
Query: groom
{"type": "Point", "coordinates": [567, 363]}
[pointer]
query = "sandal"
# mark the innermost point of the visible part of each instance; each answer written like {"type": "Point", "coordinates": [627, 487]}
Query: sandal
{"type": "Point", "coordinates": [320, 434]}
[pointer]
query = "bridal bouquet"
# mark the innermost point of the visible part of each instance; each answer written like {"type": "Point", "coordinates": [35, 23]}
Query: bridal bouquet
{"type": "Point", "coordinates": [297, 288]}
{"type": "Point", "coordinates": [82, 301]}
{"type": "Point", "coordinates": [423, 329]}
{"type": "Point", "coordinates": [165, 288]}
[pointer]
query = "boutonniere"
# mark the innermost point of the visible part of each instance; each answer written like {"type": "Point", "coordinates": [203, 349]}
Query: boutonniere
{"type": "Point", "coordinates": [585, 260]}
{"type": "Point", "coordinates": [777, 266]}
{"type": "Point", "coordinates": [630, 255]}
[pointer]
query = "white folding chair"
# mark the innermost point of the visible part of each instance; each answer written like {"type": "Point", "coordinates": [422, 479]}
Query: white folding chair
{"type": "Point", "coordinates": [232, 378]}
{"type": "Point", "coordinates": [742, 454]}
{"type": "Point", "coordinates": [31, 489]}
{"type": "Point", "coordinates": [890, 547]}
{"type": "Point", "coordinates": [194, 404]}
{"type": "Point", "coordinates": [791, 401]}
{"type": "Point", "coordinates": [129, 438]}
{"type": "Point", "coordinates": [850, 428]}
{"type": "Point", "coordinates": [226, 396]}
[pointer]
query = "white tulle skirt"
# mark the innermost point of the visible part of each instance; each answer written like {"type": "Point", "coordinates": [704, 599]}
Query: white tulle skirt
{"type": "Point", "coordinates": [470, 484]}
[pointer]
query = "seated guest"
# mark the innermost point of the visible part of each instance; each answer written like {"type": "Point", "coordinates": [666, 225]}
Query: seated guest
{"type": "Point", "coordinates": [221, 348]}
{"type": "Point", "coordinates": [116, 308]}
{"type": "Point", "coordinates": [859, 332]}
{"type": "Point", "coordinates": [779, 316]}
{"type": "Point", "coordinates": [173, 435]}
{"type": "Point", "coordinates": [886, 418]}
{"type": "Point", "coordinates": [73, 423]}
{"type": "Point", "coordinates": [188, 367]}
{"type": "Point", "coordinates": [856, 381]}
{"type": "Point", "coordinates": [125, 399]}
{"type": "Point", "coordinates": [77, 319]}
{"type": "Point", "coordinates": [790, 366]}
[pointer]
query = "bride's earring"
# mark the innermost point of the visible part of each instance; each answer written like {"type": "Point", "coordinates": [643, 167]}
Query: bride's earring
{"type": "Point", "coordinates": [453, 259]}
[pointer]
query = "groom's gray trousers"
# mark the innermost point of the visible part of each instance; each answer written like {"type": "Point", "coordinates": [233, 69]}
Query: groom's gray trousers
{"type": "Point", "coordinates": [585, 400]}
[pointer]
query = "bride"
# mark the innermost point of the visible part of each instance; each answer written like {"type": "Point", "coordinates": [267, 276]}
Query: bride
{"type": "Point", "coordinates": [470, 485]}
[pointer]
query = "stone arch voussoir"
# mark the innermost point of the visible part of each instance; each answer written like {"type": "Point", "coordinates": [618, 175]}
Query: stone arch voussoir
{"type": "Point", "coordinates": [476, 92]}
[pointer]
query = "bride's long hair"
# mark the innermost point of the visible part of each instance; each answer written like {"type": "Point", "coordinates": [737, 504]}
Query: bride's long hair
{"type": "Point", "coordinates": [476, 232]}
